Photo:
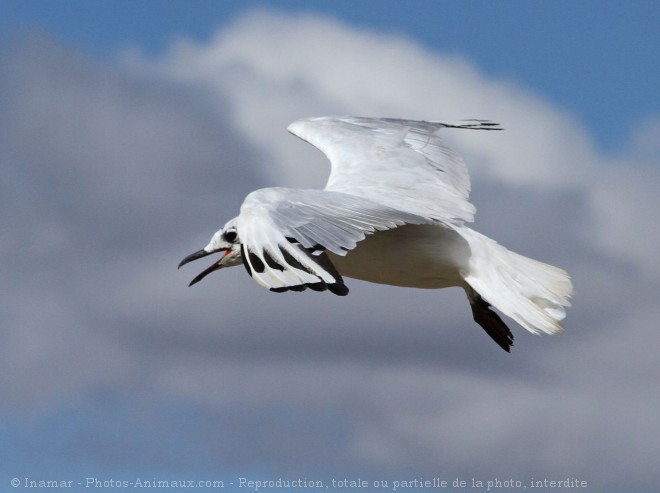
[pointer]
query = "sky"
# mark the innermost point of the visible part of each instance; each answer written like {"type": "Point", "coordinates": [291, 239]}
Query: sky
{"type": "Point", "coordinates": [131, 131]}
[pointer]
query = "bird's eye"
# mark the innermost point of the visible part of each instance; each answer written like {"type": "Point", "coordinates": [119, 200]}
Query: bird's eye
{"type": "Point", "coordinates": [230, 236]}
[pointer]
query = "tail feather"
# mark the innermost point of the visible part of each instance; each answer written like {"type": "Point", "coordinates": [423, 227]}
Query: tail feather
{"type": "Point", "coordinates": [530, 292]}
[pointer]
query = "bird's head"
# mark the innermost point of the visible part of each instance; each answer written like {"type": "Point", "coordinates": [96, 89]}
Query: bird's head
{"type": "Point", "coordinates": [225, 240]}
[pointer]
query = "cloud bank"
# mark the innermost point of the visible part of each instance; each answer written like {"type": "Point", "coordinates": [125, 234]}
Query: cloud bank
{"type": "Point", "coordinates": [114, 173]}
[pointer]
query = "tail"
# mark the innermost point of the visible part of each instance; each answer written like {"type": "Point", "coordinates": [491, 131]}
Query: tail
{"type": "Point", "coordinates": [532, 293]}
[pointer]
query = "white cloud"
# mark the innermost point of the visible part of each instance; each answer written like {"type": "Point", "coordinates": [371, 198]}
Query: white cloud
{"type": "Point", "coordinates": [623, 198]}
{"type": "Point", "coordinates": [276, 68]}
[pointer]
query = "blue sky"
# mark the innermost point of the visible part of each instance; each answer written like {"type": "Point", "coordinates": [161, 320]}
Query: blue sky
{"type": "Point", "coordinates": [131, 131]}
{"type": "Point", "coordinates": [596, 58]}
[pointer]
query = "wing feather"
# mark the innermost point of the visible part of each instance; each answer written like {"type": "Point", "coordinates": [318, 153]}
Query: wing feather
{"type": "Point", "coordinates": [403, 164]}
{"type": "Point", "coordinates": [285, 234]}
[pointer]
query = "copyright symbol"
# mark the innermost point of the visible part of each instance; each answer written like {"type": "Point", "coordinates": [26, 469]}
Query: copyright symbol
{"type": "Point", "coordinates": [15, 482]}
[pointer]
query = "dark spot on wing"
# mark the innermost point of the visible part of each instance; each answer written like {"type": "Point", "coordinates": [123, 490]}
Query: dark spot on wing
{"type": "Point", "coordinates": [317, 254]}
{"type": "Point", "coordinates": [256, 262]}
{"type": "Point", "coordinates": [272, 263]}
{"type": "Point", "coordinates": [315, 248]}
{"type": "Point", "coordinates": [293, 262]}
{"type": "Point", "coordinates": [314, 286]}
{"type": "Point", "coordinates": [324, 261]}
{"type": "Point", "coordinates": [284, 289]}
{"type": "Point", "coordinates": [340, 289]}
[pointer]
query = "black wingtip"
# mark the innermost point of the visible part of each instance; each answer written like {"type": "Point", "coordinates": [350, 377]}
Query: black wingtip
{"type": "Point", "coordinates": [336, 288]}
{"type": "Point", "coordinates": [476, 125]}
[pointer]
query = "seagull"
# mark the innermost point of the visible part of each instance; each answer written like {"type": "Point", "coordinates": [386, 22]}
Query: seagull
{"type": "Point", "coordinates": [393, 212]}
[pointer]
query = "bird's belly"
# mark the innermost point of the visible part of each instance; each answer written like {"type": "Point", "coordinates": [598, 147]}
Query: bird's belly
{"type": "Point", "coordinates": [424, 256]}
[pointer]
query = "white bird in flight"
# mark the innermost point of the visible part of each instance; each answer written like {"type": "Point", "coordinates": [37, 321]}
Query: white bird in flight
{"type": "Point", "coordinates": [392, 212]}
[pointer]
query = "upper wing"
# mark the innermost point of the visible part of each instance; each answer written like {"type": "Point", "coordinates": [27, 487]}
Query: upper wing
{"type": "Point", "coordinates": [401, 163]}
{"type": "Point", "coordinates": [285, 233]}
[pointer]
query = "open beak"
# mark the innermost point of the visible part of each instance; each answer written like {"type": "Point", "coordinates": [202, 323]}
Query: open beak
{"type": "Point", "coordinates": [213, 267]}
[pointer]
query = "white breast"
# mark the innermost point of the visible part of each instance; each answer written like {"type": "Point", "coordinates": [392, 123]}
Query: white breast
{"type": "Point", "coordinates": [419, 256]}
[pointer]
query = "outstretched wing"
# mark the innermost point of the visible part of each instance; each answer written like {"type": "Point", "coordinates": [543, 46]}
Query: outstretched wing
{"type": "Point", "coordinates": [285, 233]}
{"type": "Point", "coordinates": [399, 163]}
